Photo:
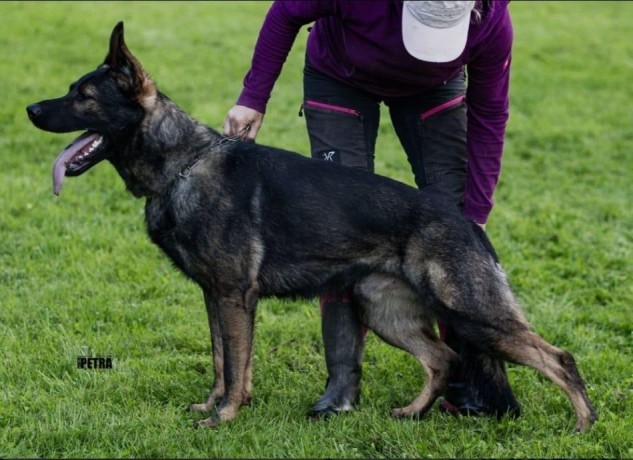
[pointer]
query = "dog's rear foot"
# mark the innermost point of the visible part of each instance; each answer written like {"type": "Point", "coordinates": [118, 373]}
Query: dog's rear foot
{"type": "Point", "coordinates": [585, 423]}
{"type": "Point", "coordinates": [210, 422]}
{"type": "Point", "coordinates": [402, 413]}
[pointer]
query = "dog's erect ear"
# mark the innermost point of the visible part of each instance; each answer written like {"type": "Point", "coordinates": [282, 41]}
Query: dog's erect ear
{"type": "Point", "coordinates": [115, 57]}
{"type": "Point", "coordinates": [119, 56]}
{"type": "Point", "coordinates": [121, 60]}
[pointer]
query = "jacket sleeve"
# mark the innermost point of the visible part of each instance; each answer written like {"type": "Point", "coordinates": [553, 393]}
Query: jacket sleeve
{"type": "Point", "coordinates": [276, 37]}
{"type": "Point", "coordinates": [487, 97]}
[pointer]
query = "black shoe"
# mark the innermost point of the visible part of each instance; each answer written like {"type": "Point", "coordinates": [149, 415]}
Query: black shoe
{"type": "Point", "coordinates": [479, 386]}
{"type": "Point", "coordinates": [466, 410]}
{"type": "Point", "coordinates": [337, 399]}
{"type": "Point", "coordinates": [462, 399]}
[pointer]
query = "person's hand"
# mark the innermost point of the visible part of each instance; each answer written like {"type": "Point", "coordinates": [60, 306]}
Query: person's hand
{"type": "Point", "coordinates": [243, 121]}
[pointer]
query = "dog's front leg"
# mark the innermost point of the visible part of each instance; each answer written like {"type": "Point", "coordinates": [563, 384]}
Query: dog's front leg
{"type": "Point", "coordinates": [236, 315]}
{"type": "Point", "coordinates": [217, 392]}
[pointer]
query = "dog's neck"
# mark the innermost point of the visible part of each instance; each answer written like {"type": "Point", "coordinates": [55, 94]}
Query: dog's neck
{"type": "Point", "coordinates": [171, 142]}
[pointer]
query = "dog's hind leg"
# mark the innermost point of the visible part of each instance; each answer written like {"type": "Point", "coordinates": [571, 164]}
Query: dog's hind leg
{"type": "Point", "coordinates": [236, 316]}
{"type": "Point", "coordinates": [485, 314]}
{"type": "Point", "coordinates": [218, 356]}
{"type": "Point", "coordinates": [393, 310]}
{"type": "Point", "coordinates": [527, 348]}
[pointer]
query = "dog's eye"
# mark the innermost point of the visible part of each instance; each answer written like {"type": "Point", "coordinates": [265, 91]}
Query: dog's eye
{"type": "Point", "coordinates": [80, 97]}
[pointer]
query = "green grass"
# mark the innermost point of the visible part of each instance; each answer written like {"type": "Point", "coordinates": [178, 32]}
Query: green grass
{"type": "Point", "coordinates": [78, 273]}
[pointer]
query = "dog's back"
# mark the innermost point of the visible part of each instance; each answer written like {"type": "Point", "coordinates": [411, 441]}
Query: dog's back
{"type": "Point", "coordinates": [338, 223]}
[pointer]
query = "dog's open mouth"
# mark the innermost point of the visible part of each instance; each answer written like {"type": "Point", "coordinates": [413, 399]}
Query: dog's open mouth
{"type": "Point", "coordinates": [83, 153]}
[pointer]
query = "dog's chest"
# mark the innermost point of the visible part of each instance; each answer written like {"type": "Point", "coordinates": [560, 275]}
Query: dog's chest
{"type": "Point", "coordinates": [174, 228]}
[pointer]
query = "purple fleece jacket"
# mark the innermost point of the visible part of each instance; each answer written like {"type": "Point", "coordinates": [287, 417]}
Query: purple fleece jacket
{"type": "Point", "coordinates": [359, 42]}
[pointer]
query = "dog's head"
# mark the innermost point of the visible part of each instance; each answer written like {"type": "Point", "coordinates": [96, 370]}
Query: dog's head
{"type": "Point", "coordinates": [106, 103]}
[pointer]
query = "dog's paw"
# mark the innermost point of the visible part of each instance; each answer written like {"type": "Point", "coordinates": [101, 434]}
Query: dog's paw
{"type": "Point", "coordinates": [405, 413]}
{"type": "Point", "coordinates": [211, 422]}
{"type": "Point", "coordinates": [586, 423]}
{"type": "Point", "coordinates": [204, 407]}
{"type": "Point", "coordinates": [399, 413]}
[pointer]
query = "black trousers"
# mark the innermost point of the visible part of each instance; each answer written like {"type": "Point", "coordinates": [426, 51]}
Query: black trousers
{"type": "Point", "coordinates": [343, 124]}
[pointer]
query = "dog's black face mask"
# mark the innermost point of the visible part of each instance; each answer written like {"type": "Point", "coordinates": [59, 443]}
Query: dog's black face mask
{"type": "Point", "coordinates": [104, 103]}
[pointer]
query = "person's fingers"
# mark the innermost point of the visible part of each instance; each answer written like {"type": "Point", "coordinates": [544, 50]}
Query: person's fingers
{"type": "Point", "coordinates": [243, 122]}
{"type": "Point", "coordinates": [227, 129]}
{"type": "Point", "coordinates": [233, 122]}
{"type": "Point", "coordinates": [252, 129]}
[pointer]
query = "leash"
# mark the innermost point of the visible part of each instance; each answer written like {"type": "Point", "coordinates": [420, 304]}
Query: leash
{"type": "Point", "coordinates": [186, 172]}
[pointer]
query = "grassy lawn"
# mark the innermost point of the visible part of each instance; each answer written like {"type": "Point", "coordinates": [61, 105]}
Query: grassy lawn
{"type": "Point", "coordinates": [78, 274]}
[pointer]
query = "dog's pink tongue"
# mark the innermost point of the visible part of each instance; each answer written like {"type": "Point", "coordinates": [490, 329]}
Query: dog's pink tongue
{"type": "Point", "coordinates": [60, 166]}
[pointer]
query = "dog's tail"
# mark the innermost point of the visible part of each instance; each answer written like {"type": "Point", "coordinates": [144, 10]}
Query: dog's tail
{"type": "Point", "coordinates": [460, 279]}
{"type": "Point", "coordinates": [482, 377]}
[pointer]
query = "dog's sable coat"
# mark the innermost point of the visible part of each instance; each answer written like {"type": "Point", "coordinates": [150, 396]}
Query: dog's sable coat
{"type": "Point", "coordinates": [245, 221]}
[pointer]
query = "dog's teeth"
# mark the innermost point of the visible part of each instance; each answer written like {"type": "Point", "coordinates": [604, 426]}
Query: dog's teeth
{"type": "Point", "coordinates": [96, 143]}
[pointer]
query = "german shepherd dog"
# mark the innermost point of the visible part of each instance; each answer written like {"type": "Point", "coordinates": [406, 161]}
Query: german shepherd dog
{"type": "Point", "coordinates": [244, 221]}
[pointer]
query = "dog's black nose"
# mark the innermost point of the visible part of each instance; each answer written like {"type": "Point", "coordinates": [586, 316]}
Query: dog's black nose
{"type": "Point", "coordinates": [34, 111]}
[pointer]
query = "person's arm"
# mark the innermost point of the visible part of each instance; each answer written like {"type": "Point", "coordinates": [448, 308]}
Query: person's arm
{"type": "Point", "coordinates": [488, 110]}
{"type": "Point", "coordinates": [276, 37]}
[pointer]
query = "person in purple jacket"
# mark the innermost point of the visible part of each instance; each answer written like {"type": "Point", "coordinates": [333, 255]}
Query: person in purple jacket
{"type": "Point", "coordinates": [442, 68]}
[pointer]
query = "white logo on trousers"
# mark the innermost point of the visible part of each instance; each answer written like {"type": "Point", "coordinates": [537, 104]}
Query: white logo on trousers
{"type": "Point", "coordinates": [329, 156]}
